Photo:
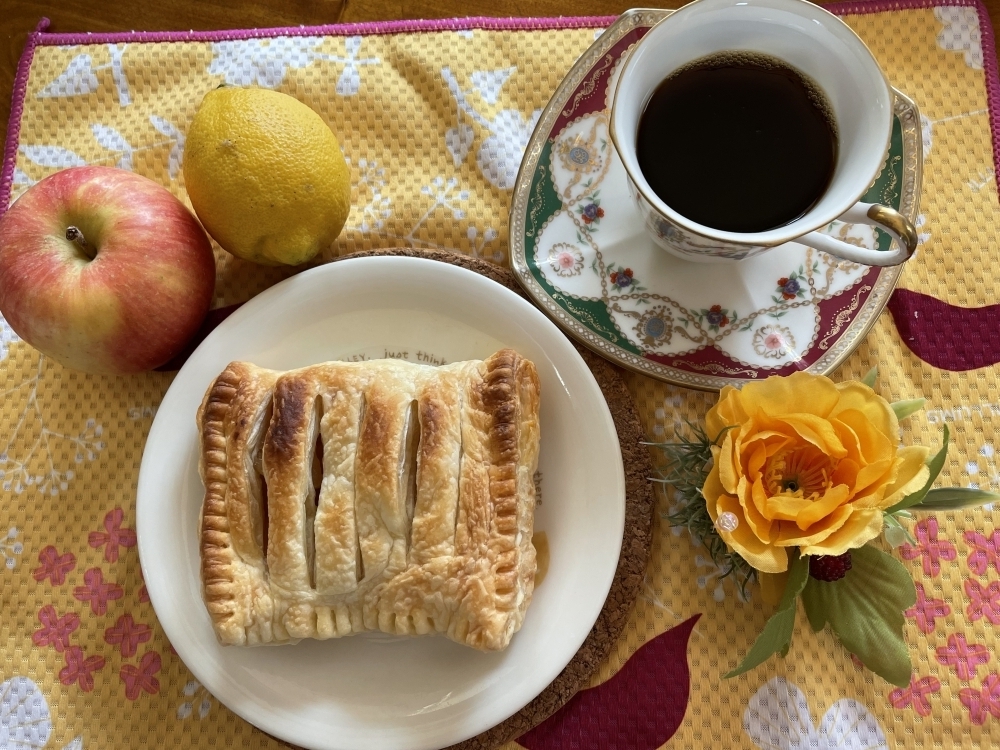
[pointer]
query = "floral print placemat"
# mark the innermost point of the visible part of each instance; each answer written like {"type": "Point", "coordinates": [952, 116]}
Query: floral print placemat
{"type": "Point", "coordinates": [434, 117]}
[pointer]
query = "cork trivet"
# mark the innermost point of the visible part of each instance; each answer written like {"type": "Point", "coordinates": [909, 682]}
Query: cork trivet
{"type": "Point", "coordinates": [635, 544]}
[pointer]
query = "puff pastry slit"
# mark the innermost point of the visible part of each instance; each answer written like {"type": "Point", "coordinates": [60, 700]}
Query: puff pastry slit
{"type": "Point", "coordinates": [385, 495]}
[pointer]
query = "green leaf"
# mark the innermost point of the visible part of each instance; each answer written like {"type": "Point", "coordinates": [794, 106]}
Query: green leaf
{"type": "Point", "coordinates": [777, 633]}
{"type": "Point", "coordinates": [865, 611]}
{"type": "Point", "coordinates": [904, 409]}
{"type": "Point", "coordinates": [935, 465]}
{"type": "Point", "coordinates": [955, 498]}
{"type": "Point", "coordinates": [871, 377]}
{"type": "Point", "coordinates": [897, 534]}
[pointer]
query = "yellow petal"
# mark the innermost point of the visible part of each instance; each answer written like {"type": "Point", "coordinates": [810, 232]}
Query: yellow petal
{"type": "Point", "coordinates": [726, 412]}
{"type": "Point", "coordinates": [799, 393]}
{"type": "Point", "coordinates": [864, 525]}
{"type": "Point", "coordinates": [869, 433]}
{"type": "Point", "coordinates": [756, 458]}
{"type": "Point", "coordinates": [786, 506]}
{"type": "Point", "coordinates": [821, 507]}
{"type": "Point", "coordinates": [760, 555]}
{"type": "Point", "coordinates": [756, 507]}
{"type": "Point", "coordinates": [779, 441]}
{"type": "Point", "coordinates": [849, 440]}
{"type": "Point", "coordinates": [846, 472]}
{"type": "Point", "coordinates": [754, 438]}
{"type": "Point", "coordinates": [817, 431]}
{"type": "Point", "coordinates": [728, 463]}
{"type": "Point", "coordinates": [874, 478]}
{"type": "Point", "coordinates": [874, 445]}
{"type": "Point", "coordinates": [790, 535]}
{"type": "Point", "coordinates": [874, 496]}
{"type": "Point", "coordinates": [712, 488]}
{"type": "Point", "coordinates": [858, 396]}
{"type": "Point", "coordinates": [911, 476]}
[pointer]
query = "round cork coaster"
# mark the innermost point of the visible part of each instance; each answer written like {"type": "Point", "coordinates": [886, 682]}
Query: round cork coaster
{"type": "Point", "coordinates": [635, 544]}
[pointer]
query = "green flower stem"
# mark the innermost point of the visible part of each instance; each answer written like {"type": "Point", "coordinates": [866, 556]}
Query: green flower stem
{"type": "Point", "coordinates": [776, 637]}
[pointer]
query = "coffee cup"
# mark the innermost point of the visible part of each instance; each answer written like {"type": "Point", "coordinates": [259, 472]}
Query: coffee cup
{"type": "Point", "coordinates": [825, 51]}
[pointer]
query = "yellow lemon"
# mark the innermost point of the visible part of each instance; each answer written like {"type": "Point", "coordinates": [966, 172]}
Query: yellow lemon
{"type": "Point", "coordinates": [266, 175]}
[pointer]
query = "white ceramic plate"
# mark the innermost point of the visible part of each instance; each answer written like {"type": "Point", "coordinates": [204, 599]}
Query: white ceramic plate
{"type": "Point", "coordinates": [373, 691]}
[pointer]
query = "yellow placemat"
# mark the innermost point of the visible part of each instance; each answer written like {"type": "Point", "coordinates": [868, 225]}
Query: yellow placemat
{"type": "Point", "coordinates": [433, 119]}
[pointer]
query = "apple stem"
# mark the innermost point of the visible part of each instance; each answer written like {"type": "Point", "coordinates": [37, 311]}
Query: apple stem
{"type": "Point", "coordinates": [75, 236]}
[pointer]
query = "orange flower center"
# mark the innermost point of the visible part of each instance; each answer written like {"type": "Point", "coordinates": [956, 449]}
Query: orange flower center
{"type": "Point", "coordinates": [803, 471]}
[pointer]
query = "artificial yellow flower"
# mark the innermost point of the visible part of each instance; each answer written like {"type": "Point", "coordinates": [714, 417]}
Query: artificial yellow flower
{"type": "Point", "coordinates": [807, 463]}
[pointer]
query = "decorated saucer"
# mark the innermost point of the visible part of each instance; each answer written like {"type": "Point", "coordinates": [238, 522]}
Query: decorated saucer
{"type": "Point", "coordinates": [579, 249]}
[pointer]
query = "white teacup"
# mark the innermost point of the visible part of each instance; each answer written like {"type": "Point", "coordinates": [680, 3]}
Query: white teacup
{"type": "Point", "coordinates": [816, 43]}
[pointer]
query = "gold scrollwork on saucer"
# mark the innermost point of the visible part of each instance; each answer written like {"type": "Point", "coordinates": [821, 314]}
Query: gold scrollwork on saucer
{"type": "Point", "coordinates": [537, 201]}
{"type": "Point", "coordinates": [589, 85]}
{"type": "Point", "coordinates": [718, 369]}
{"type": "Point", "coordinates": [843, 316]}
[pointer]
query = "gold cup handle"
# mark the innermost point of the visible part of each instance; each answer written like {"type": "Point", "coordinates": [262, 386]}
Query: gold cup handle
{"type": "Point", "coordinates": [901, 229]}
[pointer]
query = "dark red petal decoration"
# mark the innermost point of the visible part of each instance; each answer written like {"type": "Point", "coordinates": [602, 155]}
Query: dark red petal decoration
{"type": "Point", "coordinates": [947, 336]}
{"type": "Point", "coordinates": [639, 708]}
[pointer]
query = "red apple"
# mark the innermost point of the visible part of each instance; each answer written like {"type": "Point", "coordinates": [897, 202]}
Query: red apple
{"type": "Point", "coordinates": [103, 270]}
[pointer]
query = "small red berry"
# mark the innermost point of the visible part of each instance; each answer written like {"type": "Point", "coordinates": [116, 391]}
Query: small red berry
{"type": "Point", "coordinates": [829, 567]}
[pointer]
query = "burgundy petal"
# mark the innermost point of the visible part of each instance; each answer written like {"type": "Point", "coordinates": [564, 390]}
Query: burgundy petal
{"type": "Point", "coordinates": [639, 708]}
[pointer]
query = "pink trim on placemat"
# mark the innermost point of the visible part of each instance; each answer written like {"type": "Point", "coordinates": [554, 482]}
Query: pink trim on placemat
{"type": "Point", "coordinates": [16, 110]}
{"type": "Point", "coordinates": [342, 29]}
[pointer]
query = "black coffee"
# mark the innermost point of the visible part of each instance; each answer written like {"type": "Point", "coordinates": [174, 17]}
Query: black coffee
{"type": "Point", "coordinates": [738, 141]}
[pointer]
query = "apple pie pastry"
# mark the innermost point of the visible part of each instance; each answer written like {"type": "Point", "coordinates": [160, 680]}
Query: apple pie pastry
{"type": "Point", "coordinates": [379, 495]}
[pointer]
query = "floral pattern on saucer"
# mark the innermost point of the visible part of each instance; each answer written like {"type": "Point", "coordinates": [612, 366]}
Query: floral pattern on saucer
{"type": "Point", "coordinates": [565, 259]}
{"type": "Point", "coordinates": [579, 247]}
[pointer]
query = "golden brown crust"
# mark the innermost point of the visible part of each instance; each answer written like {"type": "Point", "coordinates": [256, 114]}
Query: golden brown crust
{"type": "Point", "coordinates": [398, 497]}
{"type": "Point", "coordinates": [338, 564]}
{"type": "Point", "coordinates": [232, 419]}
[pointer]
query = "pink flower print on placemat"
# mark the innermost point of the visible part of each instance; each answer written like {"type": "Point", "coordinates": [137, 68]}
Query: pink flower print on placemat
{"type": "Point", "coordinates": [926, 611]}
{"type": "Point", "coordinates": [929, 547]}
{"type": "Point", "coordinates": [55, 630]}
{"type": "Point", "coordinates": [114, 536]}
{"type": "Point", "coordinates": [143, 677]}
{"type": "Point", "coordinates": [127, 634]}
{"type": "Point", "coordinates": [982, 703]}
{"type": "Point", "coordinates": [80, 669]}
{"type": "Point", "coordinates": [97, 592]}
{"type": "Point", "coordinates": [985, 601]}
{"type": "Point", "coordinates": [964, 657]}
{"type": "Point", "coordinates": [916, 695]}
{"type": "Point", "coordinates": [54, 566]}
{"type": "Point", "coordinates": [985, 551]}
